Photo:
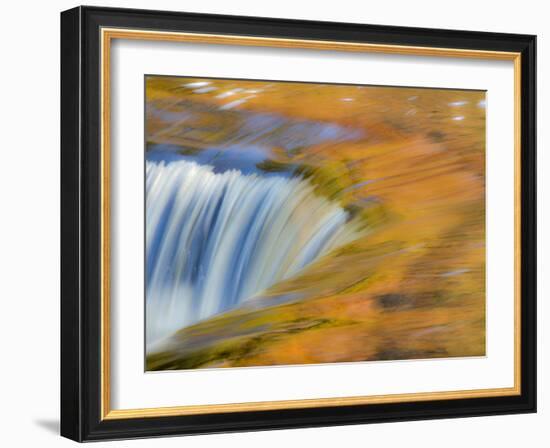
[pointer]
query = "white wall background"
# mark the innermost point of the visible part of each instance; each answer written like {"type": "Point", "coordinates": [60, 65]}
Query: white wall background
{"type": "Point", "coordinates": [29, 236]}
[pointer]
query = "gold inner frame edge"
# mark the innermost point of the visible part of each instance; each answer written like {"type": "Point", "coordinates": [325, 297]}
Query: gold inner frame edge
{"type": "Point", "coordinates": [106, 36]}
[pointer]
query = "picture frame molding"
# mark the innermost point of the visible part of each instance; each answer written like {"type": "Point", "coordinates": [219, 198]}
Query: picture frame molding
{"type": "Point", "coordinates": [86, 34]}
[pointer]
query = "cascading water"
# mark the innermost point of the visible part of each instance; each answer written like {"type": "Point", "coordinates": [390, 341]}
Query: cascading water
{"type": "Point", "coordinates": [215, 240]}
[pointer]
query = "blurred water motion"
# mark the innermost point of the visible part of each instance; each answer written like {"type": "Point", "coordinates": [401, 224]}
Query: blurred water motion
{"type": "Point", "coordinates": [216, 240]}
{"type": "Point", "coordinates": [292, 223]}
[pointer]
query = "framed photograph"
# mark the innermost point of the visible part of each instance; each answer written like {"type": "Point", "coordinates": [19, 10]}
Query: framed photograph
{"type": "Point", "coordinates": [276, 224]}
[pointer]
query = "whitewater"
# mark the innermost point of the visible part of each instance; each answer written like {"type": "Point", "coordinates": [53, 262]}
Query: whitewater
{"type": "Point", "coordinates": [215, 240]}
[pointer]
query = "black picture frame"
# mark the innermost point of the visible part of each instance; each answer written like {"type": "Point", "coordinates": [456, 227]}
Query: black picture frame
{"type": "Point", "coordinates": [81, 225]}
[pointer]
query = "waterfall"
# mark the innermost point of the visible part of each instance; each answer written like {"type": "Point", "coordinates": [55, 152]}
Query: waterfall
{"type": "Point", "coordinates": [214, 240]}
